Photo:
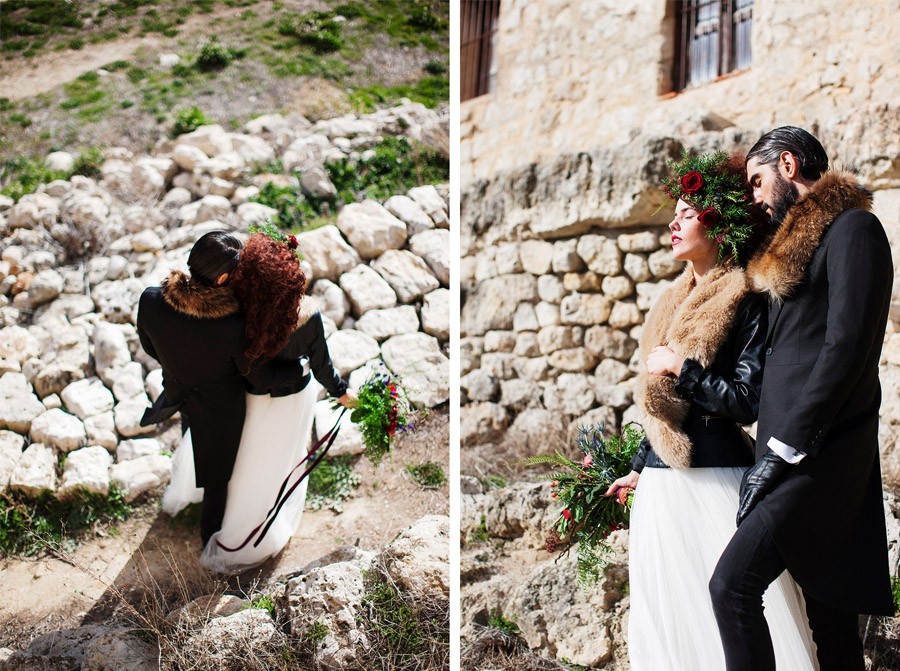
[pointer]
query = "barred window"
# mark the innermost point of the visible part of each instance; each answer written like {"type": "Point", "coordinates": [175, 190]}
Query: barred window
{"type": "Point", "coordinates": [712, 38]}
{"type": "Point", "coordinates": [478, 30]}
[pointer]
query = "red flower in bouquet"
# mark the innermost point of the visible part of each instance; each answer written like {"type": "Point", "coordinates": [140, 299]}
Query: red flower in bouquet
{"type": "Point", "coordinates": [587, 461]}
{"type": "Point", "coordinates": [567, 515]}
{"type": "Point", "coordinates": [383, 409]}
{"type": "Point", "coordinates": [692, 182]}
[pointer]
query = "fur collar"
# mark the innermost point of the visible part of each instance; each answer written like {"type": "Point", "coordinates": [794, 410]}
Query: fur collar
{"type": "Point", "coordinates": [190, 297]}
{"type": "Point", "coordinates": [694, 319]}
{"type": "Point", "coordinates": [782, 263]}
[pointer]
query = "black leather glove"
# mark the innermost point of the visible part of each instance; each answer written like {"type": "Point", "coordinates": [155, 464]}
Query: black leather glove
{"type": "Point", "coordinates": [759, 480]}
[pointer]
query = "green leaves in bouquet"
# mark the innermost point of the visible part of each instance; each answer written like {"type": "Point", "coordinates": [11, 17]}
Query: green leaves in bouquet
{"type": "Point", "coordinates": [588, 516]}
{"type": "Point", "coordinates": [383, 410]}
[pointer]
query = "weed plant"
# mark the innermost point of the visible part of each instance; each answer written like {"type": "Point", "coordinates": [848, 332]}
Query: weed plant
{"type": "Point", "coordinates": [330, 483]}
{"type": "Point", "coordinates": [29, 524]}
{"type": "Point", "coordinates": [295, 212]}
{"type": "Point", "coordinates": [21, 175]}
{"type": "Point", "coordinates": [188, 120]}
{"type": "Point", "coordinates": [213, 55]}
{"type": "Point", "coordinates": [429, 475]}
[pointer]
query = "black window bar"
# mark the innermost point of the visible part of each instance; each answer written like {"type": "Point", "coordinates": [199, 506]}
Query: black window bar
{"type": "Point", "coordinates": [478, 28]}
{"type": "Point", "coordinates": [712, 39]}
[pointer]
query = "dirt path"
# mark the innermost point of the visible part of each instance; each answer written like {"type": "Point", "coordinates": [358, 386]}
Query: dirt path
{"type": "Point", "coordinates": [25, 78]}
{"type": "Point", "coordinates": [50, 594]}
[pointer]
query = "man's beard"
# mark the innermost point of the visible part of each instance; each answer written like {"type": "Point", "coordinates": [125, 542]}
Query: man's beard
{"type": "Point", "coordinates": [784, 196]}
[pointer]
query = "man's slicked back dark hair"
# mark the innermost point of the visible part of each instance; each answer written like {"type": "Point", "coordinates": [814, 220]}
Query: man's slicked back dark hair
{"type": "Point", "coordinates": [213, 254]}
{"type": "Point", "coordinates": [809, 152]}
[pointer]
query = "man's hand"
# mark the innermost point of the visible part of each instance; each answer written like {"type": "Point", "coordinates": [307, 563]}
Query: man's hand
{"type": "Point", "coordinates": [759, 480]}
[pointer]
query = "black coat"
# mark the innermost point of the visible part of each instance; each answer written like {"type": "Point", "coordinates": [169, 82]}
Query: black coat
{"type": "Point", "coordinates": [829, 266]}
{"type": "Point", "coordinates": [197, 334]}
{"type": "Point", "coordinates": [307, 341]}
{"type": "Point", "coordinates": [723, 396]}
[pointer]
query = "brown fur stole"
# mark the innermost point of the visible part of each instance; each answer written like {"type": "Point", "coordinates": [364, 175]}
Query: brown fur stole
{"type": "Point", "coordinates": [191, 297]}
{"type": "Point", "coordinates": [693, 319]}
{"type": "Point", "coordinates": [781, 264]}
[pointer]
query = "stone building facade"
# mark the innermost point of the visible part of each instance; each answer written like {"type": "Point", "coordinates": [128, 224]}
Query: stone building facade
{"type": "Point", "coordinates": [563, 250]}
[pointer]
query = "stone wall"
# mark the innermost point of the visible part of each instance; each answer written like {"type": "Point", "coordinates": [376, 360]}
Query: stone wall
{"type": "Point", "coordinates": [77, 253]}
{"type": "Point", "coordinates": [573, 75]}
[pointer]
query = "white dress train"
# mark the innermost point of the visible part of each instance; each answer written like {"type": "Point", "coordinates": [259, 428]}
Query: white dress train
{"type": "Point", "coordinates": [681, 522]}
{"type": "Point", "coordinates": [276, 436]}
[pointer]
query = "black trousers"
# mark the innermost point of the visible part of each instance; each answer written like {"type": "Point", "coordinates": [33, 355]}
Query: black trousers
{"type": "Point", "coordinates": [748, 566]}
{"type": "Point", "coordinates": [213, 511]}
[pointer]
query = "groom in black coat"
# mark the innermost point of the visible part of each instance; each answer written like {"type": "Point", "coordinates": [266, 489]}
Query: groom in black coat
{"type": "Point", "coordinates": [193, 326]}
{"type": "Point", "coordinates": [812, 504]}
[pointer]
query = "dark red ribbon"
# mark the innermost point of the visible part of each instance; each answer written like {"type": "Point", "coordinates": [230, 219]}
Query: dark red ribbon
{"type": "Point", "coordinates": [281, 498]}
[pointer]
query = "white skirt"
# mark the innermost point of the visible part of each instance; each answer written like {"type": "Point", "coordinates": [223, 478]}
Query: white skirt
{"type": "Point", "coordinates": [680, 524]}
{"type": "Point", "coordinates": [276, 436]}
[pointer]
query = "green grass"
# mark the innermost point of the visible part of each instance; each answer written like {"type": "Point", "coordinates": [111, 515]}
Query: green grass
{"type": "Point", "coordinates": [85, 92]}
{"type": "Point", "coordinates": [395, 167]}
{"type": "Point", "coordinates": [481, 534]}
{"type": "Point", "coordinates": [429, 475]}
{"type": "Point", "coordinates": [498, 621]}
{"type": "Point", "coordinates": [28, 525]}
{"type": "Point", "coordinates": [430, 91]}
{"type": "Point", "coordinates": [263, 602]}
{"type": "Point", "coordinates": [188, 120]}
{"type": "Point", "coordinates": [330, 483]}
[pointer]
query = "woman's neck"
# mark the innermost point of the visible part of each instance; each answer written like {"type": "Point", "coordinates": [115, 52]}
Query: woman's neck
{"type": "Point", "coordinates": [702, 266]}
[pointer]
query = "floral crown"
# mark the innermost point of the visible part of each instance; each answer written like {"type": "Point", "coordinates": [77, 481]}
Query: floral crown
{"type": "Point", "coordinates": [271, 231]}
{"type": "Point", "coordinates": [719, 194]}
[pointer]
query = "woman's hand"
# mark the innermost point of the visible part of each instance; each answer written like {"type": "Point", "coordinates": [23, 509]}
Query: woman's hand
{"type": "Point", "coordinates": [349, 400]}
{"type": "Point", "coordinates": [629, 480]}
{"type": "Point", "coordinates": [663, 361]}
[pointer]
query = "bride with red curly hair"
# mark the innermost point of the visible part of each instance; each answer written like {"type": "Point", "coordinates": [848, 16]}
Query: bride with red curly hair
{"type": "Point", "coordinates": [269, 284]}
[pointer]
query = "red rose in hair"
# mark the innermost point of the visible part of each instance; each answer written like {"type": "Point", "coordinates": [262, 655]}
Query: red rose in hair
{"type": "Point", "coordinates": [709, 218]}
{"type": "Point", "coordinates": [292, 242]}
{"type": "Point", "coordinates": [692, 182]}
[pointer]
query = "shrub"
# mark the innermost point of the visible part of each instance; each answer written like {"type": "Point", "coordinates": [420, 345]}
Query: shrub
{"type": "Point", "coordinates": [295, 212]}
{"type": "Point", "coordinates": [429, 475]}
{"type": "Point", "coordinates": [435, 68]}
{"type": "Point", "coordinates": [498, 621]}
{"type": "Point", "coordinates": [22, 175]}
{"type": "Point", "coordinates": [77, 43]}
{"type": "Point", "coordinates": [88, 163]}
{"type": "Point", "coordinates": [28, 525]}
{"type": "Point", "coordinates": [317, 30]}
{"type": "Point", "coordinates": [20, 119]}
{"type": "Point", "coordinates": [188, 120]}
{"type": "Point", "coordinates": [395, 167]}
{"type": "Point", "coordinates": [213, 55]}
{"type": "Point", "coordinates": [421, 17]}
{"type": "Point", "coordinates": [332, 481]}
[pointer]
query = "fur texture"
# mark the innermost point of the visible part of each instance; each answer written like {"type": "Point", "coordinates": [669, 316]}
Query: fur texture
{"type": "Point", "coordinates": [190, 297]}
{"type": "Point", "coordinates": [693, 319]}
{"type": "Point", "coordinates": [782, 263]}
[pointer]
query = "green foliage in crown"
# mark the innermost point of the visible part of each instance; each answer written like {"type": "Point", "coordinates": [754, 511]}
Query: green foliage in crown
{"type": "Point", "coordinates": [719, 194]}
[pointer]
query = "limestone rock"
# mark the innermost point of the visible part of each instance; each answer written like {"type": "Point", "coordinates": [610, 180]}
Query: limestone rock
{"type": "Point", "coordinates": [600, 253]}
{"type": "Point", "coordinates": [436, 314]}
{"type": "Point", "coordinates": [367, 290]}
{"type": "Point", "coordinates": [645, 241]}
{"type": "Point", "coordinates": [101, 430]}
{"type": "Point", "coordinates": [407, 274]}
{"type": "Point", "coordinates": [86, 469]}
{"type": "Point", "coordinates": [187, 156]}
{"type": "Point", "coordinates": [35, 472]}
{"type": "Point", "coordinates": [606, 342]}
{"type": "Point", "coordinates": [382, 324]}
{"type": "Point", "coordinates": [111, 351]}
{"type": "Point", "coordinates": [327, 253]}
{"type": "Point", "coordinates": [423, 368]}
{"type": "Point", "coordinates": [479, 385]}
{"type": "Point", "coordinates": [371, 229]}
{"type": "Point", "coordinates": [137, 447]}
{"type": "Point", "coordinates": [45, 287]}
{"type": "Point", "coordinates": [494, 304]}
{"type": "Point", "coordinates": [333, 302]}
{"type": "Point", "coordinates": [434, 248]}
{"type": "Point", "coordinates": [536, 256]}
{"type": "Point", "coordinates": [128, 415]}
{"type": "Point", "coordinates": [663, 264]}
{"type": "Point", "coordinates": [16, 345]}
{"type": "Point", "coordinates": [87, 397]}
{"type": "Point", "coordinates": [482, 423]}
{"type": "Point", "coordinates": [550, 289]}
{"type": "Point", "coordinates": [350, 349]}
{"type": "Point", "coordinates": [636, 267]}
{"type": "Point", "coordinates": [409, 212]}
{"type": "Point", "coordinates": [430, 200]}
{"type": "Point", "coordinates": [573, 394]}
{"type": "Point", "coordinates": [128, 381]}
{"type": "Point", "coordinates": [136, 476]}
{"type": "Point", "coordinates": [211, 140]}
{"type": "Point", "coordinates": [61, 161]}
{"type": "Point", "coordinates": [58, 429]}
{"type": "Point", "coordinates": [417, 560]}
{"type": "Point", "coordinates": [349, 439]}
{"type": "Point", "coordinates": [11, 446]}
{"type": "Point", "coordinates": [585, 309]}
{"type": "Point", "coordinates": [18, 404]}
{"type": "Point", "coordinates": [223, 639]}
{"type": "Point", "coordinates": [117, 302]}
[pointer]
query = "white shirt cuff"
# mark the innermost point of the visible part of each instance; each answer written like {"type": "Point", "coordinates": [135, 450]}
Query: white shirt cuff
{"type": "Point", "coordinates": [786, 452]}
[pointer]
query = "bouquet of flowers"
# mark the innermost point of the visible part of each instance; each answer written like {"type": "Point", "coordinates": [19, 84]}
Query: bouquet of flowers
{"type": "Point", "coordinates": [588, 516]}
{"type": "Point", "coordinates": [383, 409]}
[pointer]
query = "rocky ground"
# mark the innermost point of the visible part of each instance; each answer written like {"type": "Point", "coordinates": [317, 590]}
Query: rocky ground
{"type": "Point", "coordinates": [75, 381]}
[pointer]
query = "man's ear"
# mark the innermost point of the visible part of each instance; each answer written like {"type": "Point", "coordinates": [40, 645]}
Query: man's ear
{"type": "Point", "coordinates": [790, 165]}
{"type": "Point", "coordinates": [222, 279]}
